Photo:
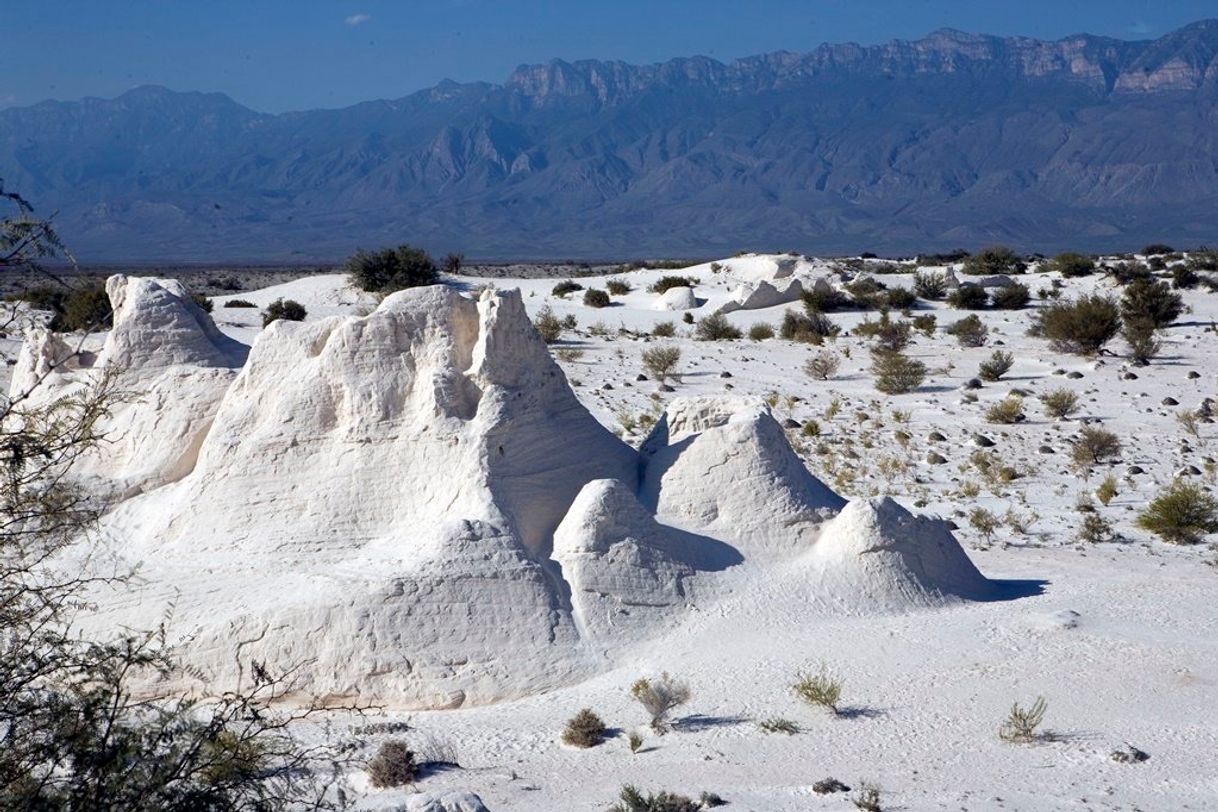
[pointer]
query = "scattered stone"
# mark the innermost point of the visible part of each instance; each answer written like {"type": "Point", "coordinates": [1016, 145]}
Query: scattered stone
{"type": "Point", "coordinates": [972, 383]}
{"type": "Point", "coordinates": [608, 387]}
{"type": "Point", "coordinates": [1170, 401]}
{"type": "Point", "coordinates": [935, 459]}
{"type": "Point", "coordinates": [789, 423]}
{"type": "Point", "coordinates": [725, 374]}
{"type": "Point", "coordinates": [936, 437]}
{"type": "Point", "coordinates": [1134, 470]}
{"type": "Point", "coordinates": [1074, 376]}
{"type": "Point", "coordinates": [981, 441]}
{"type": "Point", "coordinates": [666, 388]}
{"type": "Point", "coordinates": [1189, 470]}
{"type": "Point", "coordinates": [1047, 449]}
{"type": "Point", "coordinates": [1193, 375]}
{"type": "Point", "coordinates": [1129, 376]}
{"type": "Point", "coordinates": [640, 377]}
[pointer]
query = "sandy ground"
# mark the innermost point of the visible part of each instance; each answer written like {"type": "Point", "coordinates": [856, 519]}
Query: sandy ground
{"type": "Point", "coordinates": [1120, 638]}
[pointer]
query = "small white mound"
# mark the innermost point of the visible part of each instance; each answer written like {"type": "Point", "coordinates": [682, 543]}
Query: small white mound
{"type": "Point", "coordinates": [877, 555]}
{"type": "Point", "coordinates": [617, 561]}
{"type": "Point", "coordinates": [678, 298]}
{"type": "Point", "coordinates": [725, 465]}
{"type": "Point", "coordinates": [444, 801]}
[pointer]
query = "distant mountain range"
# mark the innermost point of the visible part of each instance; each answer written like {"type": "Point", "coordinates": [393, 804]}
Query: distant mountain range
{"type": "Point", "coordinates": [955, 140]}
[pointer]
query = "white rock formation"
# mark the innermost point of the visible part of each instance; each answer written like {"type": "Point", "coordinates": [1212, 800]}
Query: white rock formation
{"type": "Point", "coordinates": [170, 368]}
{"type": "Point", "coordinates": [402, 475]}
{"type": "Point", "coordinates": [875, 554]}
{"type": "Point", "coordinates": [678, 298]}
{"type": "Point", "coordinates": [725, 467]}
{"type": "Point", "coordinates": [444, 801]}
{"type": "Point", "coordinates": [755, 296]}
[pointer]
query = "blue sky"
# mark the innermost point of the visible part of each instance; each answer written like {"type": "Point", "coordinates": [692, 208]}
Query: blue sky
{"type": "Point", "coordinates": [277, 55]}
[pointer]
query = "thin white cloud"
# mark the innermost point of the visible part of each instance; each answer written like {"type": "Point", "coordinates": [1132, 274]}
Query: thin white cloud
{"type": "Point", "coordinates": [358, 19]}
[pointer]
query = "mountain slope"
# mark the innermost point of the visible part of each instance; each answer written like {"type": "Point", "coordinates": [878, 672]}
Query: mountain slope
{"type": "Point", "coordinates": [953, 140]}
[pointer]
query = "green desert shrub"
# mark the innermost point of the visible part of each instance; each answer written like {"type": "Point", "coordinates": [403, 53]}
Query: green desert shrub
{"type": "Point", "coordinates": [824, 301]}
{"type": "Point", "coordinates": [1071, 265]}
{"type": "Point", "coordinates": [1184, 277]}
{"type": "Point", "coordinates": [1011, 297]}
{"type": "Point", "coordinates": [925, 324]}
{"type": "Point", "coordinates": [665, 282]}
{"type": "Point", "coordinates": [715, 327]}
{"type": "Point", "coordinates": [239, 303]}
{"type": "Point", "coordinates": [391, 269]}
{"type": "Point", "coordinates": [867, 293]}
{"type": "Point", "coordinates": [819, 688]}
{"type": "Point", "coordinates": [618, 287]}
{"type": "Point", "coordinates": [393, 765]}
{"type": "Point", "coordinates": [1006, 411]}
{"type": "Point", "coordinates": [896, 374]}
{"type": "Point", "coordinates": [968, 297]}
{"type": "Point", "coordinates": [664, 329]}
{"type": "Point", "coordinates": [1094, 445]}
{"type": "Point", "coordinates": [811, 327]}
{"type": "Point", "coordinates": [1142, 339]}
{"type": "Point", "coordinates": [900, 298]}
{"type": "Point", "coordinates": [630, 799]}
{"type": "Point", "coordinates": [1081, 326]}
{"type": "Point", "coordinates": [1157, 249]}
{"type": "Point", "coordinates": [1182, 514]}
{"type": "Point", "coordinates": [565, 288]}
{"type": "Point", "coordinates": [1021, 723]}
{"type": "Point", "coordinates": [1151, 301]}
{"type": "Point", "coordinates": [997, 259]}
{"type": "Point", "coordinates": [283, 309]}
{"type": "Point", "coordinates": [761, 331]}
{"type": "Point", "coordinates": [1127, 272]}
{"type": "Point", "coordinates": [930, 285]}
{"type": "Point", "coordinates": [661, 361]}
{"type": "Point", "coordinates": [596, 298]}
{"type": "Point", "coordinates": [205, 304]}
{"type": "Point", "coordinates": [547, 325]}
{"type": "Point", "coordinates": [584, 729]}
{"type": "Point", "coordinates": [86, 308]}
{"type": "Point", "coordinates": [970, 331]}
{"type": "Point", "coordinates": [1060, 403]}
{"type": "Point", "coordinates": [998, 364]}
{"type": "Point", "coordinates": [823, 365]}
{"type": "Point", "coordinates": [659, 697]}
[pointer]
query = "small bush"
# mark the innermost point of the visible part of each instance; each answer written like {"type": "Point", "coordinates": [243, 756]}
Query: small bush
{"type": "Point", "coordinates": [930, 285]}
{"type": "Point", "coordinates": [811, 328]}
{"type": "Point", "coordinates": [565, 288]}
{"type": "Point", "coordinates": [867, 798]}
{"type": "Point", "coordinates": [1154, 302]}
{"type": "Point", "coordinates": [664, 329]}
{"type": "Point", "coordinates": [968, 297]}
{"type": "Point", "coordinates": [761, 331]}
{"type": "Point", "coordinates": [391, 269]}
{"type": "Point", "coordinates": [901, 298]}
{"type": "Point", "coordinates": [687, 317]}
{"type": "Point", "coordinates": [1184, 277]}
{"type": "Point", "coordinates": [823, 301]}
{"type": "Point", "coordinates": [925, 324]}
{"type": "Point", "coordinates": [453, 262]}
{"type": "Point", "coordinates": [1095, 529]}
{"type": "Point", "coordinates": [1006, 411]}
{"type": "Point", "coordinates": [631, 800]}
{"type": "Point", "coordinates": [84, 309]}
{"type": "Point", "coordinates": [823, 365]}
{"type": "Point", "coordinates": [665, 282]}
{"type": "Point", "coordinates": [998, 364]}
{"type": "Point", "coordinates": [1060, 403]}
{"type": "Point", "coordinates": [205, 304]}
{"type": "Point", "coordinates": [1126, 272]}
{"type": "Point", "coordinates": [892, 336]}
{"type": "Point", "coordinates": [1156, 249]}
{"type": "Point", "coordinates": [1072, 265]}
{"type": "Point", "coordinates": [1094, 445]}
{"type": "Point", "coordinates": [984, 522]}
{"type": "Point", "coordinates": [661, 361]}
{"type": "Point", "coordinates": [1107, 490]}
{"type": "Point", "coordinates": [896, 374]}
{"type": "Point", "coordinates": [777, 724]}
{"type": "Point", "coordinates": [1020, 725]}
{"type": "Point", "coordinates": [970, 331]}
{"type": "Point", "coordinates": [1142, 339]}
{"type": "Point", "coordinates": [285, 309]}
{"type": "Point", "coordinates": [584, 729]}
{"type": "Point", "coordinates": [716, 327]}
{"type": "Point", "coordinates": [1182, 514]}
{"type": "Point", "coordinates": [618, 287]}
{"type": "Point", "coordinates": [393, 765]}
{"type": "Point", "coordinates": [997, 259]}
{"type": "Point", "coordinates": [239, 303]}
{"type": "Point", "coordinates": [596, 298]}
{"type": "Point", "coordinates": [1012, 297]}
{"type": "Point", "coordinates": [659, 697]}
{"type": "Point", "coordinates": [820, 688]}
{"type": "Point", "coordinates": [1082, 326]}
{"type": "Point", "coordinates": [635, 742]}
{"type": "Point", "coordinates": [547, 325]}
